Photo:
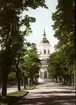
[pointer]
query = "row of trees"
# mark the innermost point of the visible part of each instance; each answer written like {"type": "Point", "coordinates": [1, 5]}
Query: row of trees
{"type": "Point", "coordinates": [24, 71]}
{"type": "Point", "coordinates": [62, 61]}
{"type": "Point", "coordinates": [11, 37]}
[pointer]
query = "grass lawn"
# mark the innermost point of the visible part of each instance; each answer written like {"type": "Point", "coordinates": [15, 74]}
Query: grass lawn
{"type": "Point", "coordinates": [74, 87]}
{"type": "Point", "coordinates": [12, 97]}
{"type": "Point", "coordinates": [30, 87]}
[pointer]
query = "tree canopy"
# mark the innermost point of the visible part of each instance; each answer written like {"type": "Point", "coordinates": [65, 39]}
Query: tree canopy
{"type": "Point", "coordinates": [11, 37]}
{"type": "Point", "coordinates": [63, 60]}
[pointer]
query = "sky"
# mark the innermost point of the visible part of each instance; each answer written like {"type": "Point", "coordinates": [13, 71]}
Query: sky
{"type": "Point", "coordinates": [43, 20]}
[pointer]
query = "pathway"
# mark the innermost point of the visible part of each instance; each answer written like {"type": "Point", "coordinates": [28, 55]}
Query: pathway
{"type": "Point", "coordinates": [49, 93]}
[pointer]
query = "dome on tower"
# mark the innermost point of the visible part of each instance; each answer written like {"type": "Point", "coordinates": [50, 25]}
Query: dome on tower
{"type": "Point", "coordinates": [44, 39]}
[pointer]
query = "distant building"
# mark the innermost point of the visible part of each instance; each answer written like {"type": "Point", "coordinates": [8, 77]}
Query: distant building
{"type": "Point", "coordinates": [44, 52]}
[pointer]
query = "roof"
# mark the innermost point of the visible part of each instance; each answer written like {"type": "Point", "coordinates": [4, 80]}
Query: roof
{"type": "Point", "coordinates": [44, 39]}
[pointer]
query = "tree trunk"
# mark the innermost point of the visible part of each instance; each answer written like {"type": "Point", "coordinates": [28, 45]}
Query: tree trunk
{"type": "Point", "coordinates": [4, 88]}
{"type": "Point", "coordinates": [24, 82]}
{"type": "Point", "coordinates": [60, 79]}
{"type": "Point", "coordinates": [4, 85]}
{"type": "Point", "coordinates": [56, 79]}
{"type": "Point", "coordinates": [18, 79]}
{"type": "Point", "coordinates": [70, 80]}
{"type": "Point", "coordinates": [31, 80]}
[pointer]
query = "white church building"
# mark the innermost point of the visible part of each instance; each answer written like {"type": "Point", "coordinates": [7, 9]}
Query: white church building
{"type": "Point", "coordinates": [44, 52]}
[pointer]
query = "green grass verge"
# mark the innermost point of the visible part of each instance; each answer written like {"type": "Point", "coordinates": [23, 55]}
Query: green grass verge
{"type": "Point", "coordinates": [30, 87]}
{"type": "Point", "coordinates": [12, 97]}
{"type": "Point", "coordinates": [74, 87]}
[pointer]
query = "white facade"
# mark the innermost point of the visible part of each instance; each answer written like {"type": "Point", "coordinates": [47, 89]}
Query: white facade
{"type": "Point", "coordinates": [44, 49]}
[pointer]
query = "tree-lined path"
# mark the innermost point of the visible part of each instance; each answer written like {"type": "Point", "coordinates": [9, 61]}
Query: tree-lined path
{"type": "Point", "coordinates": [49, 93]}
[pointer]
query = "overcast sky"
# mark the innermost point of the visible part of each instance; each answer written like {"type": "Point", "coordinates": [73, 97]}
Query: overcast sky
{"type": "Point", "coordinates": [43, 20]}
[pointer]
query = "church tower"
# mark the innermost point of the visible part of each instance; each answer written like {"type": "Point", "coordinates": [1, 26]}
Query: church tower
{"type": "Point", "coordinates": [44, 49]}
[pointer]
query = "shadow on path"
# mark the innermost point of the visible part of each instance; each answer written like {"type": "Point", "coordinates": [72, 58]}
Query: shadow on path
{"type": "Point", "coordinates": [48, 99]}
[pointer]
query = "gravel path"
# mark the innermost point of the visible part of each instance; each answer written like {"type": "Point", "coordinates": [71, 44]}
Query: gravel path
{"type": "Point", "coordinates": [49, 93]}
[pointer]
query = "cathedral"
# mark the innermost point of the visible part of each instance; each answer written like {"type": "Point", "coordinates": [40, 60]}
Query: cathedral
{"type": "Point", "coordinates": [44, 52]}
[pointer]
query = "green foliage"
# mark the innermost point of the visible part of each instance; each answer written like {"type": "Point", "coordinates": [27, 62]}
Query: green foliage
{"type": "Point", "coordinates": [31, 62]}
{"type": "Point", "coordinates": [11, 38]}
{"type": "Point", "coordinates": [63, 18]}
{"type": "Point", "coordinates": [62, 62]}
{"type": "Point", "coordinates": [12, 78]}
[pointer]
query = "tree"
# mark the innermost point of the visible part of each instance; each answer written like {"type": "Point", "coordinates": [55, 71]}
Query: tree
{"type": "Point", "coordinates": [64, 21]}
{"type": "Point", "coordinates": [55, 65]}
{"type": "Point", "coordinates": [31, 64]}
{"type": "Point", "coordinates": [58, 67]}
{"type": "Point", "coordinates": [64, 24]}
{"type": "Point", "coordinates": [10, 34]}
{"type": "Point", "coordinates": [18, 61]}
{"type": "Point", "coordinates": [0, 69]}
{"type": "Point", "coordinates": [12, 78]}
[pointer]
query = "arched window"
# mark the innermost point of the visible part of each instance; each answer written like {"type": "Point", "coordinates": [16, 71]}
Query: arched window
{"type": "Point", "coordinates": [48, 51]}
{"type": "Point", "coordinates": [45, 74]}
{"type": "Point", "coordinates": [44, 51]}
{"type": "Point", "coordinates": [40, 74]}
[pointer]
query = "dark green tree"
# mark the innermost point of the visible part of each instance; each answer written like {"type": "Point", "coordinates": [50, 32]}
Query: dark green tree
{"type": "Point", "coordinates": [64, 26]}
{"type": "Point", "coordinates": [10, 34]}
{"type": "Point", "coordinates": [31, 64]}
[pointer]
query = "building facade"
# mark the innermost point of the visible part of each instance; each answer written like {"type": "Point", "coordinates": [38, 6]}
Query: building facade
{"type": "Point", "coordinates": [44, 49]}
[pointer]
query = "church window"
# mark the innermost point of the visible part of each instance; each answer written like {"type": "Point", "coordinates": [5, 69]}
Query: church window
{"type": "Point", "coordinates": [48, 51]}
{"type": "Point", "coordinates": [45, 74]}
{"type": "Point", "coordinates": [40, 74]}
{"type": "Point", "coordinates": [44, 51]}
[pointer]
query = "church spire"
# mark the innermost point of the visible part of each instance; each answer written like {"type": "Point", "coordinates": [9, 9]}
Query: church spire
{"type": "Point", "coordinates": [44, 35]}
